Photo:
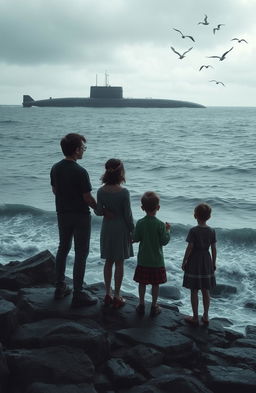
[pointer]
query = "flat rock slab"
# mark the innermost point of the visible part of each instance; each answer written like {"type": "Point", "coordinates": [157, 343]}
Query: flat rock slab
{"type": "Point", "coordinates": [52, 332]}
{"type": "Point", "coordinates": [237, 355]}
{"type": "Point", "coordinates": [53, 365]}
{"type": "Point", "coordinates": [232, 379]}
{"type": "Point", "coordinates": [8, 319]}
{"type": "Point", "coordinates": [39, 303]}
{"type": "Point", "coordinates": [163, 339]}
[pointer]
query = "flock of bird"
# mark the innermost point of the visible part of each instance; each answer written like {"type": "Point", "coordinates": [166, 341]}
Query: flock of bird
{"type": "Point", "coordinates": [221, 57]}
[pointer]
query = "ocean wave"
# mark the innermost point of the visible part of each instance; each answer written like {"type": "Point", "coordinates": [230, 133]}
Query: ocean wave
{"type": "Point", "coordinates": [11, 210]}
{"type": "Point", "coordinates": [226, 204]}
{"type": "Point", "coordinates": [9, 122]}
{"type": "Point", "coordinates": [240, 236]}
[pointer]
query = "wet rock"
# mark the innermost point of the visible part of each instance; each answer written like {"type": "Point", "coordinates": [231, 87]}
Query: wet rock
{"type": "Point", "coordinates": [250, 331]}
{"type": "Point", "coordinates": [33, 271]}
{"type": "Point", "coordinates": [8, 319]}
{"type": "Point", "coordinates": [169, 292]}
{"type": "Point", "coordinates": [4, 371]}
{"type": "Point", "coordinates": [39, 303]}
{"type": "Point", "coordinates": [122, 374]}
{"type": "Point", "coordinates": [237, 356]}
{"type": "Point", "coordinates": [54, 332]}
{"type": "Point", "coordinates": [55, 348]}
{"type": "Point", "coordinates": [177, 382]}
{"type": "Point", "coordinates": [53, 365]}
{"type": "Point", "coordinates": [143, 357]}
{"type": "Point", "coordinates": [171, 343]}
{"type": "Point", "coordinates": [47, 388]}
{"type": "Point", "coordinates": [222, 290]}
{"type": "Point", "coordinates": [251, 305]}
{"type": "Point", "coordinates": [10, 296]}
{"type": "Point", "coordinates": [245, 342]}
{"type": "Point", "coordinates": [234, 379]}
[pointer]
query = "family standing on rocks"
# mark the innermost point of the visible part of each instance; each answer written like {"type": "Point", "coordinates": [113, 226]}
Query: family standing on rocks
{"type": "Point", "coordinates": [72, 188]}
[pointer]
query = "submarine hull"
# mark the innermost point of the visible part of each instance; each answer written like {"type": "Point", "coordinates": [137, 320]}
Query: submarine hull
{"type": "Point", "coordinates": [109, 103]}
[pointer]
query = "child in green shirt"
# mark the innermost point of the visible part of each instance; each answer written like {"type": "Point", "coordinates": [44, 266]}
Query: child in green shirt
{"type": "Point", "coordinates": [152, 234]}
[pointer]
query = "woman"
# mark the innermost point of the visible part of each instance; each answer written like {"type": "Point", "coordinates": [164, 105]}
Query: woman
{"type": "Point", "coordinates": [113, 202]}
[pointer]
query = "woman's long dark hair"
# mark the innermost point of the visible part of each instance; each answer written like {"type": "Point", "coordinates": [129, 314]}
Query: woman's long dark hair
{"type": "Point", "coordinates": [114, 173]}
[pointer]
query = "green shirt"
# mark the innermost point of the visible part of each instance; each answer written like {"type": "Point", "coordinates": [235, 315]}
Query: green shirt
{"type": "Point", "coordinates": [151, 233]}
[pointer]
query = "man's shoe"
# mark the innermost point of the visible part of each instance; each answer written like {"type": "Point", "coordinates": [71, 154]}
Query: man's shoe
{"type": "Point", "coordinates": [83, 298]}
{"type": "Point", "coordinates": [62, 290]}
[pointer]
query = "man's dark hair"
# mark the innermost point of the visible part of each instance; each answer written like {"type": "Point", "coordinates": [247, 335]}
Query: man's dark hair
{"type": "Point", "coordinates": [150, 200]}
{"type": "Point", "coordinates": [71, 142]}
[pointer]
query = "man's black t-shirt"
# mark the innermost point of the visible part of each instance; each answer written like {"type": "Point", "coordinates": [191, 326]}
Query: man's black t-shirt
{"type": "Point", "coordinates": [70, 181]}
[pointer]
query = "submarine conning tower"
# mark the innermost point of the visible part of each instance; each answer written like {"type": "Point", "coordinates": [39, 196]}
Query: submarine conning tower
{"type": "Point", "coordinates": [106, 92]}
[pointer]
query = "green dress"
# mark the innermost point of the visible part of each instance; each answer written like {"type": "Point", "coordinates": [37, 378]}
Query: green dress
{"type": "Point", "coordinates": [116, 232]}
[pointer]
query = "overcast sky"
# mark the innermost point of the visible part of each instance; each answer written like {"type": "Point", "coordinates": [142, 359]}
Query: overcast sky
{"type": "Point", "coordinates": [56, 47]}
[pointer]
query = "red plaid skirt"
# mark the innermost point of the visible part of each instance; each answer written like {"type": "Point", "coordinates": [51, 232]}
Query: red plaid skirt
{"type": "Point", "coordinates": [150, 275]}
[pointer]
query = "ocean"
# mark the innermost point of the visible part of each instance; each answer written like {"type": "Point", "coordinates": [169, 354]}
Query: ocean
{"type": "Point", "coordinates": [186, 155]}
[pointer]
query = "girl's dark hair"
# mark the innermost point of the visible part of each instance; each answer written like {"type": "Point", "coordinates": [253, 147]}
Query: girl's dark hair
{"type": "Point", "coordinates": [150, 200]}
{"type": "Point", "coordinates": [114, 173]}
{"type": "Point", "coordinates": [203, 211]}
{"type": "Point", "coordinates": [71, 142]}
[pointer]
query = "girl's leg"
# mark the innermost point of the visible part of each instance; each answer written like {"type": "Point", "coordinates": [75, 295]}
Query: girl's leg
{"type": "Point", "coordinates": [206, 302]}
{"type": "Point", "coordinates": [155, 292]}
{"type": "Point", "coordinates": [194, 302]}
{"type": "Point", "coordinates": [108, 276]}
{"type": "Point", "coordinates": [118, 277]}
{"type": "Point", "coordinates": [142, 291]}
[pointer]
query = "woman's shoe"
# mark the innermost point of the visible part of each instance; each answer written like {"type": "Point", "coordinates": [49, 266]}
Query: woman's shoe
{"type": "Point", "coordinates": [108, 300]}
{"type": "Point", "coordinates": [118, 302]}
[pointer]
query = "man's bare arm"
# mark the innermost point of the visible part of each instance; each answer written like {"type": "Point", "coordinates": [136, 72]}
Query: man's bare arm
{"type": "Point", "coordinates": [88, 198]}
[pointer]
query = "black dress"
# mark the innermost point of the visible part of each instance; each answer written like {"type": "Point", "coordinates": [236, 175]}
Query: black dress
{"type": "Point", "coordinates": [199, 270]}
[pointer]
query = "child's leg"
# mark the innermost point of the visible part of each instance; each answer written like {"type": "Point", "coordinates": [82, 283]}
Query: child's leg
{"type": "Point", "coordinates": [142, 291]}
{"type": "Point", "coordinates": [155, 292]}
{"type": "Point", "coordinates": [119, 273]}
{"type": "Point", "coordinates": [108, 276]}
{"type": "Point", "coordinates": [206, 302]}
{"type": "Point", "coordinates": [194, 302]}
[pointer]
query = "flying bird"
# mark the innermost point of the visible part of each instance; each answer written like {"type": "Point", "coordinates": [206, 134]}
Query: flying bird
{"type": "Point", "coordinates": [205, 66]}
{"type": "Point", "coordinates": [181, 56]}
{"type": "Point", "coordinates": [217, 28]}
{"type": "Point", "coordinates": [239, 40]}
{"type": "Point", "coordinates": [222, 57]}
{"type": "Point", "coordinates": [205, 22]}
{"type": "Point", "coordinates": [217, 82]}
{"type": "Point", "coordinates": [184, 36]}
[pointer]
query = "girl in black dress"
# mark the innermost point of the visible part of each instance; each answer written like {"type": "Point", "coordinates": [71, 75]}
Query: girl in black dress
{"type": "Point", "coordinates": [199, 264]}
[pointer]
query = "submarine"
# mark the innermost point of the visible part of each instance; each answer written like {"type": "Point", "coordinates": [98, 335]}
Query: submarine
{"type": "Point", "coordinates": [108, 96]}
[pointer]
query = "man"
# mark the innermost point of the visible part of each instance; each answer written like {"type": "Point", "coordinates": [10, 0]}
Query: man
{"type": "Point", "coordinates": [72, 188]}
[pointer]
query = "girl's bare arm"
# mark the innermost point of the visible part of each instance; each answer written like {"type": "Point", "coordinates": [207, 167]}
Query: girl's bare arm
{"type": "Point", "coordinates": [186, 255]}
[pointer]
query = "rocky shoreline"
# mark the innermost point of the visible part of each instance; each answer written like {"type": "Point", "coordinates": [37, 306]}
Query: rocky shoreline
{"type": "Point", "coordinates": [48, 347]}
